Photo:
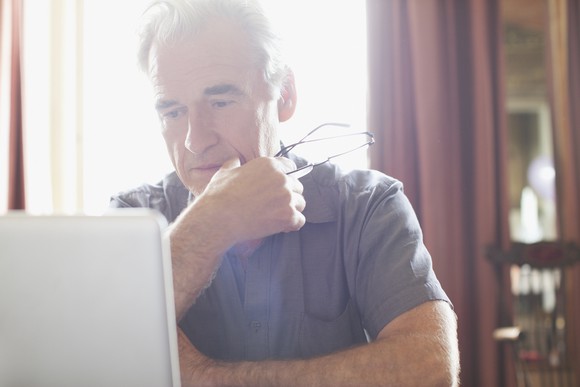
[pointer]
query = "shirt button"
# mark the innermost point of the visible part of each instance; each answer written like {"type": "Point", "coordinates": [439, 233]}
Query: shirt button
{"type": "Point", "coordinates": [256, 325]}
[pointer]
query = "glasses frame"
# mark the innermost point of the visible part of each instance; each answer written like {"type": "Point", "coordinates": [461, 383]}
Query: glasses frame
{"type": "Point", "coordinates": [304, 140]}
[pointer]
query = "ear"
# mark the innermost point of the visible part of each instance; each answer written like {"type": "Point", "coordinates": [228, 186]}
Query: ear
{"type": "Point", "coordinates": [287, 100]}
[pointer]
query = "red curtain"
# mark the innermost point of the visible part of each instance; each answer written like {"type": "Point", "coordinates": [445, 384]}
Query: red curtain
{"type": "Point", "coordinates": [436, 106]}
{"type": "Point", "coordinates": [11, 11]}
{"type": "Point", "coordinates": [574, 66]}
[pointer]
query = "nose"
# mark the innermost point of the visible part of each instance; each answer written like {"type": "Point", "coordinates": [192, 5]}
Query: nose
{"type": "Point", "coordinates": [200, 134]}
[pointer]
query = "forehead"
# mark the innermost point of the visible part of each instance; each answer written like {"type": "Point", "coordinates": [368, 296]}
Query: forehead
{"type": "Point", "coordinates": [220, 52]}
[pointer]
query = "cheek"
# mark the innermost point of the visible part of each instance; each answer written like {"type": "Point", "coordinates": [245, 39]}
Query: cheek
{"type": "Point", "coordinates": [269, 142]}
{"type": "Point", "coordinates": [267, 137]}
{"type": "Point", "coordinates": [174, 146]}
{"type": "Point", "coordinates": [240, 132]}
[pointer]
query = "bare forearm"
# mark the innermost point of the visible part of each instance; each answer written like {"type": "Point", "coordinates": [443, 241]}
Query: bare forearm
{"type": "Point", "coordinates": [401, 359]}
{"type": "Point", "coordinates": [195, 260]}
{"type": "Point", "coordinates": [375, 364]}
{"type": "Point", "coordinates": [239, 205]}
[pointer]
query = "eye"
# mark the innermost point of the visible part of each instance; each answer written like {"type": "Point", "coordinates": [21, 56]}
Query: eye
{"type": "Point", "coordinates": [174, 114]}
{"type": "Point", "coordinates": [220, 104]}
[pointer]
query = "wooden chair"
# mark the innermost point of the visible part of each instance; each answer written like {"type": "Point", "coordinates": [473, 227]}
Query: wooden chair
{"type": "Point", "coordinates": [537, 329]}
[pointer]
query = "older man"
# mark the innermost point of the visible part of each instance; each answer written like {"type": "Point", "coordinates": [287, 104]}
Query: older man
{"type": "Point", "coordinates": [279, 280]}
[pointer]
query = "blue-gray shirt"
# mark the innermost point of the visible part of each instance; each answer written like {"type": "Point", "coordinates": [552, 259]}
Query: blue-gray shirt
{"type": "Point", "coordinates": [358, 263]}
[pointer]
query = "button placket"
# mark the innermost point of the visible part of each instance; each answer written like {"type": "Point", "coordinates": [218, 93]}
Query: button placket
{"type": "Point", "coordinates": [257, 301]}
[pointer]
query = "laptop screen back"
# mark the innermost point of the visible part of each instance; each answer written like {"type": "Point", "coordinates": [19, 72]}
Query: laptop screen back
{"type": "Point", "coordinates": [86, 301]}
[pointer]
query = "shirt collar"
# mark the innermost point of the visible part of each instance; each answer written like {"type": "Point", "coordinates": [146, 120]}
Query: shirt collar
{"type": "Point", "coordinates": [320, 192]}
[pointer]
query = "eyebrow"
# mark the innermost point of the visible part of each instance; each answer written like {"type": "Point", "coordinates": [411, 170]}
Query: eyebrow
{"type": "Point", "coordinates": [165, 104]}
{"type": "Point", "coordinates": [220, 89]}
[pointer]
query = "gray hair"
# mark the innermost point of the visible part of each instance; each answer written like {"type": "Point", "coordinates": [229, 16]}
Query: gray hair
{"type": "Point", "coordinates": [167, 21]}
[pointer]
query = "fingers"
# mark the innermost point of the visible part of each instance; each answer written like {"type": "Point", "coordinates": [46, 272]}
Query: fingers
{"type": "Point", "coordinates": [291, 169]}
{"type": "Point", "coordinates": [284, 201]}
{"type": "Point", "coordinates": [298, 220]}
{"type": "Point", "coordinates": [301, 172]}
{"type": "Point", "coordinates": [297, 203]}
{"type": "Point", "coordinates": [286, 164]}
{"type": "Point", "coordinates": [288, 210]}
{"type": "Point", "coordinates": [258, 198]}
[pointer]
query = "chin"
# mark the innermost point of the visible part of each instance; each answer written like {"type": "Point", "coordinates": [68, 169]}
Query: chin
{"type": "Point", "coordinates": [197, 187]}
{"type": "Point", "coordinates": [193, 185]}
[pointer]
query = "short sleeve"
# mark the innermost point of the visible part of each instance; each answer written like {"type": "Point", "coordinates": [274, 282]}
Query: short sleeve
{"type": "Point", "coordinates": [394, 270]}
{"type": "Point", "coordinates": [169, 197]}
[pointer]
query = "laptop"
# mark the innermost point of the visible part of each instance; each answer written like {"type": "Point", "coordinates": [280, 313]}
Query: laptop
{"type": "Point", "coordinates": [86, 301]}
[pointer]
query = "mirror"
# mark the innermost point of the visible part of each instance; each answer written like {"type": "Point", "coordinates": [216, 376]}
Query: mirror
{"type": "Point", "coordinates": [531, 167]}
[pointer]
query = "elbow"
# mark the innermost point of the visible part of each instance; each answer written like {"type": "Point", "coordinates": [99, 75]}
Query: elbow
{"type": "Point", "coordinates": [445, 362]}
{"type": "Point", "coordinates": [443, 374]}
{"type": "Point", "coordinates": [449, 367]}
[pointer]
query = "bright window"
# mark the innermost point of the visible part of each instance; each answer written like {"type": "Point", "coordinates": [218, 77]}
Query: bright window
{"type": "Point", "coordinates": [106, 136]}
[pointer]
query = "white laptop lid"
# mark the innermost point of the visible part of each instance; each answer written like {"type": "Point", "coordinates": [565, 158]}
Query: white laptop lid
{"type": "Point", "coordinates": [86, 301]}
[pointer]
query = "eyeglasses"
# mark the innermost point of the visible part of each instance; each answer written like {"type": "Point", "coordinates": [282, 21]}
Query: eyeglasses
{"type": "Point", "coordinates": [337, 144]}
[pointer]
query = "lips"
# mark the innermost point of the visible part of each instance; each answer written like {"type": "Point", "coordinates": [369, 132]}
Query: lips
{"type": "Point", "coordinates": [206, 167]}
{"type": "Point", "coordinates": [207, 170]}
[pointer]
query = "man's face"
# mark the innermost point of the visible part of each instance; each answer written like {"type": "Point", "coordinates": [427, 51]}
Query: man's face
{"type": "Point", "coordinates": [213, 102]}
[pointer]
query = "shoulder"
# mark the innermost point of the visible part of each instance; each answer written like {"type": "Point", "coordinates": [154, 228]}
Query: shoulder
{"type": "Point", "coordinates": [356, 181]}
{"type": "Point", "coordinates": [169, 196]}
{"type": "Point", "coordinates": [329, 190]}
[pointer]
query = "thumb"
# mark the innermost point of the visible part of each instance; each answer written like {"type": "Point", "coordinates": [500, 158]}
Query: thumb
{"type": "Point", "coordinates": [232, 163]}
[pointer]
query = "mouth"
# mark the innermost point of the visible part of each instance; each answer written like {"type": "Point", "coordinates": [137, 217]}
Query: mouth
{"type": "Point", "coordinates": [205, 169]}
{"type": "Point", "coordinates": [206, 166]}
